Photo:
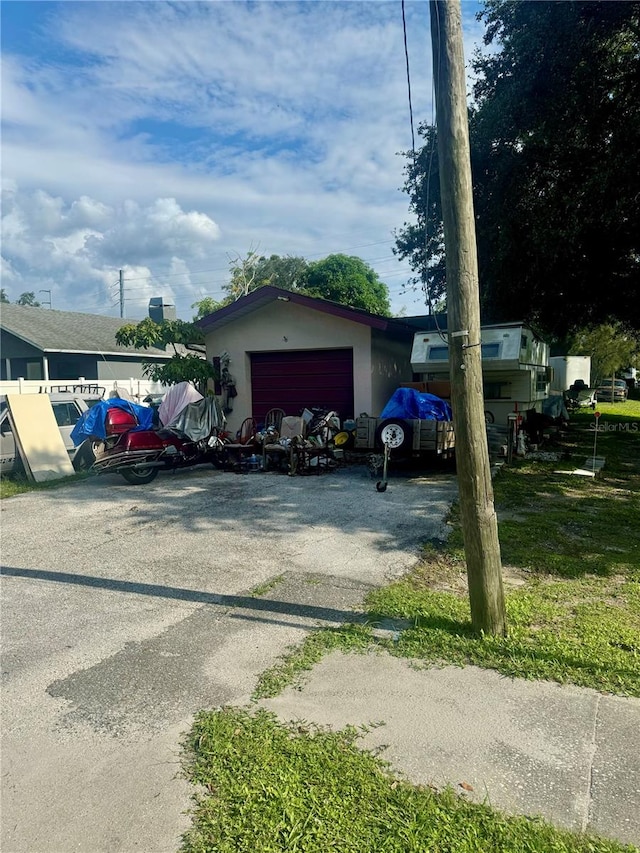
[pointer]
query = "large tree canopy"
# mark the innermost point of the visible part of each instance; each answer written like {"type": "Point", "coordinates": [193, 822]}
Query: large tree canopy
{"type": "Point", "coordinates": [349, 280]}
{"type": "Point", "coordinates": [340, 278]}
{"type": "Point", "coordinates": [422, 242]}
{"type": "Point", "coordinates": [610, 346]}
{"type": "Point", "coordinates": [555, 137]}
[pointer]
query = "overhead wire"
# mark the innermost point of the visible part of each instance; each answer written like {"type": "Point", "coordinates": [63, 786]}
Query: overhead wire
{"type": "Point", "coordinates": [425, 269]}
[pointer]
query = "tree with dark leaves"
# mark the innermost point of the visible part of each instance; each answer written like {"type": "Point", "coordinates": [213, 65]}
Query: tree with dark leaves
{"type": "Point", "coordinates": [555, 136]}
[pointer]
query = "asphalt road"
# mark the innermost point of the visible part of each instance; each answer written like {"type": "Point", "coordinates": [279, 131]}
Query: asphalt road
{"type": "Point", "coordinates": [126, 609]}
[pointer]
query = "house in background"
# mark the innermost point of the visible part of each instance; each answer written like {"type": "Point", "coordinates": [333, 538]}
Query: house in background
{"type": "Point", "coordinates": [42, 344]}
{"type": "Point", "coordinates": [293, 351]}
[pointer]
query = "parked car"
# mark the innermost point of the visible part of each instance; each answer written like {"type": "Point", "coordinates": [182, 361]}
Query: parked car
{"type": "Point", "coordinates": [630, 376]}
{"type": "Point", "coordinates": [67, 408]}
{"type": "Point", "coordinates": [617, 393]}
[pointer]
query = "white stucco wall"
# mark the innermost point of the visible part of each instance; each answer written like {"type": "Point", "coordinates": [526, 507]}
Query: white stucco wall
{"type": "Point", "coordinates": [391, 365]}
{"type": "Point", "coordinates": [279, 326]}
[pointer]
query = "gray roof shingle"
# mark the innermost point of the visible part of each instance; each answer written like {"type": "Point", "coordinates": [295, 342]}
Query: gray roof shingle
{"type": "Point", "coordinates": [68, 331]}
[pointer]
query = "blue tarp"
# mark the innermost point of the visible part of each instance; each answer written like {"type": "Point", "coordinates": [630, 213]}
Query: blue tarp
{"type": "Point", "coordinates": [92, 421]}
{"type": "Point", "coordinates": [409, 403]}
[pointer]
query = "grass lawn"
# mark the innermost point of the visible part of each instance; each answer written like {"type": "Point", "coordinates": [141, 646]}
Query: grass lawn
{"type": "Point", "coordinates": [571, 556]}
{"type": "Point", "coordinates": [17, 484]}
{"type": "Point", "coordinates": [268, 787]}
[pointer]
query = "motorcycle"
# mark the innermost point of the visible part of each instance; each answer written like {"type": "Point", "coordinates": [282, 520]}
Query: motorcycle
{"type": "Point", "coordinates": [121, 437]}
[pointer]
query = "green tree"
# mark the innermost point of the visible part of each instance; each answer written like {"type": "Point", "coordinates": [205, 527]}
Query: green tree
{"type": "Point", "coordinates": [288, 272]}
{"type": "Point", "coordinates": [206, 306]}
{"type": "Point", "coordinates": [422, 242]}
{"type": "Point", "coordinates": [28, 298]}
{"type": "Point", "coordinates": [555, 144]}
{"type": "Point", "coordinates": [253, 271]}
{"type": "Point", "coordinates": [182, 367]}
{"type": "Point", "coordinates": [3, 296]}
{"type": "Point", "coordinates": [557, 161]}
{"type": "Point", "coordinates": [350, 281]}
{"type": "Point", "coordinates": [612, 347]}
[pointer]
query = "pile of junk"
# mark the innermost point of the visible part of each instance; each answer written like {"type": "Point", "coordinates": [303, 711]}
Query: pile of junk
{"type": "Point", "coordinates": [187, 429]}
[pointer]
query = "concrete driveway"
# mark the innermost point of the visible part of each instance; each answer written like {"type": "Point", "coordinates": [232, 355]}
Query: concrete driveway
{"type": "Point", "coordinates": [126, 609]}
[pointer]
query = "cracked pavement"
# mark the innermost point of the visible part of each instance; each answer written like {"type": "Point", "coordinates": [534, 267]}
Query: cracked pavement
{"type": "Point", "coordinates": [127, 609]}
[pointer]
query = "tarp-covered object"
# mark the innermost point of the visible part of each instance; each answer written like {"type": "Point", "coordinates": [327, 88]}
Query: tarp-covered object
{"type": "Point", "coordinates": [409, 403]}
{"type": "Point", "coordinates": [91, 423]}
{"type": "Point", "coordinates": [199, 419]}
{"type": "Point", "coordinates": [175, 400]}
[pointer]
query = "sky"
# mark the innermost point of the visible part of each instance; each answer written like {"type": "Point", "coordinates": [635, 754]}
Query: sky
{"type": "Point", "coordinates": [169, 139]}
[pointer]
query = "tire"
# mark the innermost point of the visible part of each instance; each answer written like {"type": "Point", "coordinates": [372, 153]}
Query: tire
{"type": "Point", "coordinates": [85, 456]}
{"type": "Point", "coordinates": [489, 418]}
{"type": "Point", "coordinates": [396, 433]}
{"type": "Point", "coordinates": [139, 476]}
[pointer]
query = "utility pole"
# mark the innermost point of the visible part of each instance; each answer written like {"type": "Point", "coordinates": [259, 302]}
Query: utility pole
{"type": "Point", "coordinates": [479, 522]}
{"type": "Point", "coordinates": [121, 293]}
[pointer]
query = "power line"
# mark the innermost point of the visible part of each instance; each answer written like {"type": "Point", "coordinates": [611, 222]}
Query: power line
{"type": "Point", "coordinates": [226, 269]}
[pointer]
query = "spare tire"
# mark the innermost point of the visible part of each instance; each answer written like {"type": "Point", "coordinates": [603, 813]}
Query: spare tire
{"type": "Point", "coordinates": [395, 433]}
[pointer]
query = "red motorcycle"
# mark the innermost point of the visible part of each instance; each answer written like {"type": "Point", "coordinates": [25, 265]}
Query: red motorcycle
{"type": "Point", "coordinates": [195, 437]}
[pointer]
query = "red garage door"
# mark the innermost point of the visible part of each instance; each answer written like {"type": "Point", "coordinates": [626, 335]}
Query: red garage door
{"type": "Point", "coordinates": [302, 379]}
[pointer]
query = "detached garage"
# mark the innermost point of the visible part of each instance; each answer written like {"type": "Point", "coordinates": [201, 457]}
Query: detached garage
{"type": "Point", "coordinates": [293, 351]}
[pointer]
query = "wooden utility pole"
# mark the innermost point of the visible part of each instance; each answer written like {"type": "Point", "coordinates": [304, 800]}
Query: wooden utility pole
{"type": "Point", "coordinates": [479, 523]}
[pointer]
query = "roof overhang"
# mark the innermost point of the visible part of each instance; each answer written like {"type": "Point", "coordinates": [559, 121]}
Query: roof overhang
{"type": "Point", "coordinates": [268, 294]}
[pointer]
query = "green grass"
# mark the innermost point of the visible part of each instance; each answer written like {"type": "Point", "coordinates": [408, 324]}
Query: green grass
{"type": "Point", "coordinates": [571, 556]}
{"type": "Point", "coordinates": [301, 658]}
{"type": "Point", "coordinates": [268, 787]}
{"type": "Point", "coordinates": [17, 484]}
{"type": "Point", "coordinates": [263, 588]}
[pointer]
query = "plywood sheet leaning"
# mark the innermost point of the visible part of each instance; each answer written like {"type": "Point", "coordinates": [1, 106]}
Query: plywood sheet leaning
{"type": "Point", "coordinates": [38, 438]}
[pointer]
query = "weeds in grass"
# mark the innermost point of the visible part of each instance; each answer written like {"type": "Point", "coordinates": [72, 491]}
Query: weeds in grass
{"type": "Point", "coordinates": [267, 586]}
{"type": "Point", "coordinates": [301, 658]}
{"type": "Point", "coordinates": [574, 615]}
{"type": "Point", "coordinates": [17, 484]}
{"type": "Point", "coordinates": [269, 787]}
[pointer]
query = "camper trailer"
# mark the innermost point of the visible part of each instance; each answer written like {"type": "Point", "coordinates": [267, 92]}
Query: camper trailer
{"type": "Point", "coordinates": [515, 366]}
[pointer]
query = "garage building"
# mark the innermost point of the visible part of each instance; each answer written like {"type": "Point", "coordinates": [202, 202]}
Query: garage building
{"type": "Point", "coordinates": [293, 351]}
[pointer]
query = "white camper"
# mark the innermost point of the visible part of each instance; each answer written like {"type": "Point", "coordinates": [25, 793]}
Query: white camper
{"type": "Point", "coordinates": [515, 367]}
{"type": "Point", "coordinates": [569, 368]}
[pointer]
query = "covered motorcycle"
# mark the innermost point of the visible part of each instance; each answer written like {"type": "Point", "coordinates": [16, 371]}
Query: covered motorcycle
{"type": "Point", "coordinates": [118, 436]}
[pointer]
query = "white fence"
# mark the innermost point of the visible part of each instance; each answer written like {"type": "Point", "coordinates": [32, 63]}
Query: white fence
{"type": "Point", "coordinates": [136, 388]}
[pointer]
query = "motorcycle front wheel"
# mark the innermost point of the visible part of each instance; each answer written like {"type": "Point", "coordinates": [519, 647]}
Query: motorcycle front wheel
{"type": "Point", "coordinates": [139, 476]}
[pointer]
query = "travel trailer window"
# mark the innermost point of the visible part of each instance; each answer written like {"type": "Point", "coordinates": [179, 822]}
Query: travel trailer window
{"type": "Point", "coordinates": [440, 352]}
{"type": "Point", "coordinates": [541, 380]}
{"type": "Point", "coordinates": [493, 390]}
{"type": "Point", "coordinates": [491, 350]}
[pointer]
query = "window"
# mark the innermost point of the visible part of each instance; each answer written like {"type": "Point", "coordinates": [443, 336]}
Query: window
{"type": "Point", "coordinates": [491, 350]}
{"type": "Point", "coordinates": [438, 353]}
{"type": "Point", "coordinates": [494, 390]}
{"type": "Point", "coordinates": [441, 352]}
{"type": "Point", "coordinates": [541, 380]}
{"type": "Point", "coordinates": [66, 413]}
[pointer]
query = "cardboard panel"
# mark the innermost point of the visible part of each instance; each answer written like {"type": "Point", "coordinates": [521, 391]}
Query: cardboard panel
{"type": "Point", "coordinates": [38, 437]}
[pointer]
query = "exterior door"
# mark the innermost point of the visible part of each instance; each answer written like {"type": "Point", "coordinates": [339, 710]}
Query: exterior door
{"type": "Point", "coordinates": [299, 379]}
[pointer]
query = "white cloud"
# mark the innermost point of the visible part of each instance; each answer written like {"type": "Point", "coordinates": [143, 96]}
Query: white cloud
{"type": "Point", "coordinates": [196, 130]}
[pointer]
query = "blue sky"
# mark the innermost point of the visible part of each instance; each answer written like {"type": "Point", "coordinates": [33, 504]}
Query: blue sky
{"type": "Point", "coordinates": [167, 139]}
